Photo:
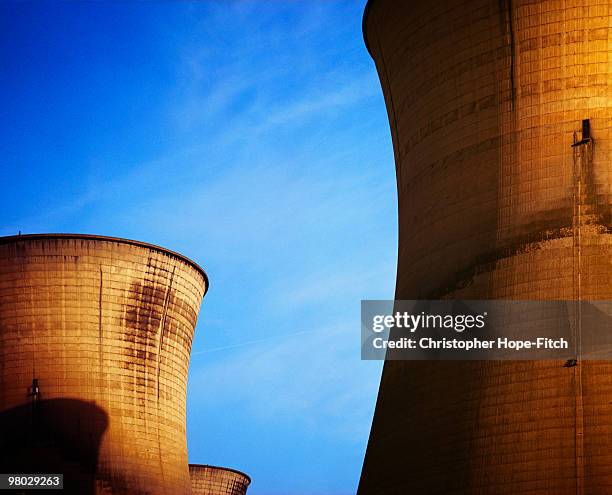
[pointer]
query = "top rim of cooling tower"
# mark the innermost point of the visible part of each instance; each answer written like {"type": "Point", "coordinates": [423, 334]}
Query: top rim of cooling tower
{"type": "Point", "coordinates": [364, 21]}
{"type": "Point", "coordinates": [222, 468]}
{"type": "Point", "coordinates": [94, 237]}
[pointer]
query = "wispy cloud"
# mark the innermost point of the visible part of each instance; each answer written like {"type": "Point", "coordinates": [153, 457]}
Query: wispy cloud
{"type": "Point", "coordinates": [307, 377]}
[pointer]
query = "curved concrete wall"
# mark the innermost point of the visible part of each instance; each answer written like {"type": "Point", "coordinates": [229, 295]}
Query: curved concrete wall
{"type": "Point", "coordinates": [213, 480]}
{"type": "Point", "coordinates": [485, 99]}
{"type": "Point", "coordinates": [105, 328]}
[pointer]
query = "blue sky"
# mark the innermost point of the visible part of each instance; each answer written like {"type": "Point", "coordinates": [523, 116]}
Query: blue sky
{"type": "Point", "coordinates": [253, 138]}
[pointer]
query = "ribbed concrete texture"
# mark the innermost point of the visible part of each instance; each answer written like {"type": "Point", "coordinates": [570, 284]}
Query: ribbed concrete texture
{"type": "Point", "coordinates": [95, 337]}
{"type": "Point", "coordinates": [213, 480]}
{"type": "Point", "coordinates": [485, 100]}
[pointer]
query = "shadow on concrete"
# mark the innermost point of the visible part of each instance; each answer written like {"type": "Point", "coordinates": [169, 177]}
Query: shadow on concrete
{"type": "Point", "coordinates": [54, 436]}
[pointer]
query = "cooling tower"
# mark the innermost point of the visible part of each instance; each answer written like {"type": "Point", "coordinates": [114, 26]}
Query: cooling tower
{"type": "Point", "coordinates": [95, 337]}
{"type": "Point", "coordinates": [500, 115]}
{"type": "Point", "coordinates": [213, 480]}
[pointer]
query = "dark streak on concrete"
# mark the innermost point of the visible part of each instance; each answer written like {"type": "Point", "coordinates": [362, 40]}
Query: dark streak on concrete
{"type": "Point", "coordinates": [512, 53]}
{"type": "Point", "coordinates": [507, 31]}
{"type": "Point", "coordinates": [100, 331]}
{"type": "Point", "coordinates": [598, 211]}
{"type": "Point", "coordinates": [162, 328]}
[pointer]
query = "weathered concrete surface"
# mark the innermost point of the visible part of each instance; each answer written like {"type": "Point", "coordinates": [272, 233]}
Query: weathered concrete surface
{"type": "Point", "coordinates": [484, 98]}
{"type": "Point", "coordinates": [213, 480]}
{"type": "Point", "coordinates": [104, 325]}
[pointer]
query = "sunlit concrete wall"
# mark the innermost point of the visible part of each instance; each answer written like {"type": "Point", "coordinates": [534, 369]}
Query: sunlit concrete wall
{"type": "Point", "coordinates": [105, 325]}
{"type": "Point", "coordinates": [485, 99]}
{"type": "Point", "coordinates": [213, 480]}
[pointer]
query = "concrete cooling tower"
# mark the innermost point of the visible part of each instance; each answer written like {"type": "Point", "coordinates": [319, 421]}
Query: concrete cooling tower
{"type": "Point", "coordinates": [500, 115]}
{"type": "Point", "coordinates": [213, 480]}
{"type": "Point", "coordinates": [95, 338]}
